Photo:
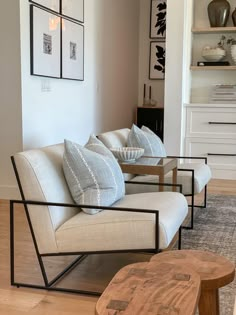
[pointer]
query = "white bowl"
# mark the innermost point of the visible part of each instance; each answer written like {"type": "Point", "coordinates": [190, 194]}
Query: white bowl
{"type": "Point", "coordinates": [213, 54]}
{"type": "Point", "coordinates": [127, 154]}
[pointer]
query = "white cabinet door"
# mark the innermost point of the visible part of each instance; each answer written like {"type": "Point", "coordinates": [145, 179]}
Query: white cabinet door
{"type": "Point", "coordinates": [211, 122]}
{"type": "Point", "coordinates": [220, 153]}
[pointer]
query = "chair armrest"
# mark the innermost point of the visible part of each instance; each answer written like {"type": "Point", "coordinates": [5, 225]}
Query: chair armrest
{"type": "Point", "coordinates": [188, 157]}
{"type": "Point", "coordinates": [68, 205]}
{"type": "Point", "coordinates": [156, 184]}
{"type": "Point", "coordinates": [58, 204]}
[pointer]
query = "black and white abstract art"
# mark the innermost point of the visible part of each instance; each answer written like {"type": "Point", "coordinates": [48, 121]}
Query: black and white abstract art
{"type": "Point", "coordinates": [157, 60]}
{"type": "Point", "coordinates": [158, 19]}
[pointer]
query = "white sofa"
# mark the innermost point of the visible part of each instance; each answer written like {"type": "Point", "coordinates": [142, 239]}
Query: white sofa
{"type": "Point", "coordinates": [59, 227]}
{"type": "Point", "coordinates": [193, 177]}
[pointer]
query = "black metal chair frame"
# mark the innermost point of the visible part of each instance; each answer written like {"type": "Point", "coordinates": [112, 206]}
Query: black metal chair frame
{"type": "Point", "coordinates": [49, 285]}
{"type": "Point", "coordinates": [192, 205]}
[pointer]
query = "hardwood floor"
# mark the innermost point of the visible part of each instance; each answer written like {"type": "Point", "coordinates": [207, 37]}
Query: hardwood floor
{"type": "Point", "coordinates": [22, 301]}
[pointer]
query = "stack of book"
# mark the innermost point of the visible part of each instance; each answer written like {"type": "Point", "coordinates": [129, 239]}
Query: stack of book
{"type": "Point", "coordinates": [223, 94]}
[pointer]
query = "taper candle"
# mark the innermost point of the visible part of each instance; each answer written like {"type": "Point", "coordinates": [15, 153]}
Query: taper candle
{"type": "Point", "coordinates": [150, 92]}
{"type": "Point", "coordinates": [144, 91]}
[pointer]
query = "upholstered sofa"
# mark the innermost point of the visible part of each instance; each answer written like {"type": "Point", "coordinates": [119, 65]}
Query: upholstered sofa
{"type": "Point", "coordinates": [193, 174]}
{"type": "Point", "coordinates": [140, 222]}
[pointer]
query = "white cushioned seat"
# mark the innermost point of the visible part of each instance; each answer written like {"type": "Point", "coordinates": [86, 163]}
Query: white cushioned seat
{"type": "Point", "coordinates": [202, 175]}
{"type": "Point", "coordinates": [137, 229]}
{"type": "Point", "coordinates": [116, 139]}
{"type": "Point", "coordinates": [42, 179]}
{"type": "Point", "coordinates": [202, 172]}
{"type": "Point", "coordinates": [61, 229]}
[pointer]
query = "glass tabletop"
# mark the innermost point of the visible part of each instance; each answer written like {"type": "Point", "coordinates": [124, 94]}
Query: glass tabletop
{"type": "Point", "coordinates": [148, 160]}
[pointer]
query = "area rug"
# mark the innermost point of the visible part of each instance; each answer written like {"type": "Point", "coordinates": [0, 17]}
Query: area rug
{"type": "Point", "coordinates": [215, 230]}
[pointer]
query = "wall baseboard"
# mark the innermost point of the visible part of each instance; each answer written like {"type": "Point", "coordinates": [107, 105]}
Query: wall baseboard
{"type": "Point", "coordinates": [9, 192]}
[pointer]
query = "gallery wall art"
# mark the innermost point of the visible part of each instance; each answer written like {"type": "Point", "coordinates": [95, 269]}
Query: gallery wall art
{"type": "Point", "coordinates": [57, 38]}
{"type": "Point", "coordinates": [157, 60]}
{"type": "Point", "coordinates": [158, 19]}
{"type": "Point", "coordinates": [157, 53]}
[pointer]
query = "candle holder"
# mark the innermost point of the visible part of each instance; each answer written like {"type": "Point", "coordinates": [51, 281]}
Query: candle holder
{"type": "Point", "coordinates": [148, 101]}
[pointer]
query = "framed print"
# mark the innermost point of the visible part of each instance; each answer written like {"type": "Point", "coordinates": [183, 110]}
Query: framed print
{"type": "Point", "coordinates": [158, 19]}
{"type": "Point", "coordinates": [73, 9]}
{"type": "Point", "coordinates": [157, 60]}
{"type": "Point", "coordinates": [45, 43]}
{"type": "Point", "coordinates": [72, 50]}
{"type": "Point", "coordinates": [53, 5]}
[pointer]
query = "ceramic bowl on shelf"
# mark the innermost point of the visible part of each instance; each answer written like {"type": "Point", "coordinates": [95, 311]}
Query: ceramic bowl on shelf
{"type": "Point", "coordinates": [213, 54]}
{"type": "Point", "coordinates": [127, 154]}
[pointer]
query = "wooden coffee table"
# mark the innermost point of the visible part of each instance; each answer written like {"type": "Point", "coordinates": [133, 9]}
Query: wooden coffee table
{"type": "Point", "coordinates": [151, 288]}
{"type": "Point", "coordinates": [152, 166]}
{"type": "Point", "coordinates": [214, 270]}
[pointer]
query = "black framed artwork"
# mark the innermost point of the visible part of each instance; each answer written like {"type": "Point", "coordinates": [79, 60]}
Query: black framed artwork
{"type": "Point", "coordinates": [72, 65]}
{"type": "Point", "coordinates": [57, 38]}
{"type": "Point", "coordinates": [45, 43]}
{"type": "Point", "coordinates": [74, 9]}
{"type": "Point", "coordinates": [158, 19]}
{"type": "Point", "coordinates": [157, 58]}
{"type": "Point", "coordinates": [53, 5]}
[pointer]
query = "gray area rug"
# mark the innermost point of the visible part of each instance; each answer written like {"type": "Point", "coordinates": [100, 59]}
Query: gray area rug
{"type": "Point", "coordinates": [215, 230]}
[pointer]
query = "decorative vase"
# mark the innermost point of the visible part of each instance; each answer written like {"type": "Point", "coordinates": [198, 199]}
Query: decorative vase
{"type": "Point", "coordinates": [218, 12]}
{"type": "Point", "coordinates": [234, 17]}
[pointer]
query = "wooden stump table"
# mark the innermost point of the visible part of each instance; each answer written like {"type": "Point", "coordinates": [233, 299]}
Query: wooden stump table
{"type": "Point", "coordinates": [151, 288]}
{"type": "Point", "coordinates": [215, 272]}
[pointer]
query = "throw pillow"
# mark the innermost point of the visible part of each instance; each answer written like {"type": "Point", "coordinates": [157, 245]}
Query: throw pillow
{"type": "Point", "coordinates": [147, 139]}
{"type": "Point", "coordinates": [93, 175]}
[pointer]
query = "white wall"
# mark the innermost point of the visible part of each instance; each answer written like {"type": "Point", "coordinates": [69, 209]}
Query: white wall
{"type": "Point", "coordinates": [105, 100]}
{"type": "Point", "coordinates": [174, 84]}
{"type": "Point", "coordinates": [10, 91]}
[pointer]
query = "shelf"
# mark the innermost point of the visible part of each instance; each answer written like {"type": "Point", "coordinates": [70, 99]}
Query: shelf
{"type": "Point", "coordinates": [213, 30]}
{"type": "Point", "coordinates": [203, 68]}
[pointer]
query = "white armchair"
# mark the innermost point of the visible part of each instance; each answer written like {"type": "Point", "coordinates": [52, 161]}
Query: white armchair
{"type": "Point", "coordinates": [143, 222]}
{"type": "Point", "coordinates": [193, 177]}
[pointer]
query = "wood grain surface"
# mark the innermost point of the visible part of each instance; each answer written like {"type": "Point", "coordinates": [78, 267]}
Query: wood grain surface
{"type": "Point", "coordinates": [151, 288]}
{"type": "Point", "coordinates": [214, 270]}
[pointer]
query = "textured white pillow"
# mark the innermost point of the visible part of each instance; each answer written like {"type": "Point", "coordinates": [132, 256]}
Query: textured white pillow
{"type": "Point", "coordinates": [93, 175]}
{"type": "Point", "coordinates": [146, 139]}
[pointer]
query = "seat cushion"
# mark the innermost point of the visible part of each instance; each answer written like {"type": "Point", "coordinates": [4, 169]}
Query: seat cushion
{"type": "Point", "coordinates": [202, 175]}
{"type": "Point", "coordinates": [146, 139]}
{"type": "Point", "coordinates": [93, 175]}
{"type": "Point", "coordinates": [115, 139]}
{"type": "Point", "coordinates": [115, 230]}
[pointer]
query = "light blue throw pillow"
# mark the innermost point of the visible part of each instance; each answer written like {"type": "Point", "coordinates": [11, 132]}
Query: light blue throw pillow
{"type": "Point", "coordinates": [93, 175]}
{"type": "Point", "coordinates": [146, 139]}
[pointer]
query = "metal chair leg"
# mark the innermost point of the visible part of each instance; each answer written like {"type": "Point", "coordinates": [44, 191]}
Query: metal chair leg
{"type": "Point", "coordinates": [180, 237]}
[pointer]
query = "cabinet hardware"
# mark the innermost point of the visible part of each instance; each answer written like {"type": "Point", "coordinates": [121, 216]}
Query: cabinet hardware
{"type": "Point", "coordinates": [221, 154]}
{"type": "Point", "coordinates": [221, 123]}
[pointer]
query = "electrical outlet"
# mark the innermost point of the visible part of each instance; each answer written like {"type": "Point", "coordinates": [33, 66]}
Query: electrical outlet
{"type": "Point", "coordinates": [45, 85]}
